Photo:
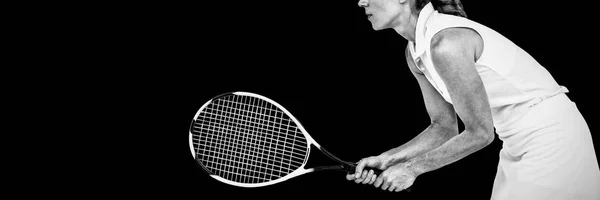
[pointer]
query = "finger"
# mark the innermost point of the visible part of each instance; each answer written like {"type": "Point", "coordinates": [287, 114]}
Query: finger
{"type": "Point", "coordinates": [373, 178]}
{"type": "Point", "coordinates": [361, 178]}
{"type": "Point", "coordinates": [349, 177]}
{"type": "Point", "coordinates": [392, 188]}
{"type": "Point", "coordinates": [368, 177]}
{"type": "Point", "coordinates": [407, 184]}
{"type": "Point", "coordinates": [359, 168]}
{"type": "Point", "coordinates": [398, 189]}
{"type": "Point", "coordinates": [364, 174]}
{"type": "Point", "coordinates": [378, 181]}
{"type": "Point", "coordinates": [385, 185]}
{"type": "Point", "coordinates": [358, 180]}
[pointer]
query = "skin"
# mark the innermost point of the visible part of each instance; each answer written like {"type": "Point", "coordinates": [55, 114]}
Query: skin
{"type": "Point", "coordinates": [454, 53]}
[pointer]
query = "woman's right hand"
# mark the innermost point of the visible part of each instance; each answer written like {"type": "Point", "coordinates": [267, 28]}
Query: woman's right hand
{"type": "Point", "coordinates": [368, 176]}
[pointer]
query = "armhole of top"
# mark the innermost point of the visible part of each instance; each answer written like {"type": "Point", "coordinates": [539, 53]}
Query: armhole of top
{"type": "Point", "coordinates": [408, 57]}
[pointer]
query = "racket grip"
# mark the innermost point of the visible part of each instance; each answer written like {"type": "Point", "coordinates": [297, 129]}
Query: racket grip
{"type": "Point", "coordinates": [352, 169]}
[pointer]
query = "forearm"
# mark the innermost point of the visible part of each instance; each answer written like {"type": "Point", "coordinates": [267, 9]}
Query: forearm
{"type": "Point", "coordinates": [432, 137]}
{"type": "Point", "coordinates": [453, 150]}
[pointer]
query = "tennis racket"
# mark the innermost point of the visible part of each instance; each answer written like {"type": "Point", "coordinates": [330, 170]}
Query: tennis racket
{"type": "Point", "coordinates": [247, 140]}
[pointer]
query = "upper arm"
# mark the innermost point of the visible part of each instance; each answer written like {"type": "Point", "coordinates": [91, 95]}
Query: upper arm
{"type": "Point", "coordinates": [454, 52]}
{"type": "Point", "coordinates": [440, 111]}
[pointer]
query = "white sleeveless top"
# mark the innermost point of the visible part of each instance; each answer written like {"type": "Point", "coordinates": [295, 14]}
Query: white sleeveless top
{"type": "Point", "coordinates": [514, 80]}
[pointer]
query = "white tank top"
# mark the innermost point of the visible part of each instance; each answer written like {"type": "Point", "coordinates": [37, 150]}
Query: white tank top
{"type": "Point", "coordinates": [514, 80]}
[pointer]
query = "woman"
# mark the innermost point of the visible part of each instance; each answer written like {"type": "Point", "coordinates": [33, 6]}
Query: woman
{"type": "Point", "coordinates": [465, 68]}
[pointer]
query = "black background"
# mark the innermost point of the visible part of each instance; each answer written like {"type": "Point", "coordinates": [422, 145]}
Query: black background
{"type": "Point", "coordinates": [152, 65]}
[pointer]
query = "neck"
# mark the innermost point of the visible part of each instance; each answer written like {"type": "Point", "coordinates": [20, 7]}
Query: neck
{"type": "Point", "coordinates": [408, 28]}
{"type": "Point", "coordinates": [407, 25]}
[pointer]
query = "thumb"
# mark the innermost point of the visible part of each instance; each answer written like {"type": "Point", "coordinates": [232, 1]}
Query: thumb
{"type": "Point", "coordinates": [382, 165]}
{"type": "Point", "coordinates": [349, 177]}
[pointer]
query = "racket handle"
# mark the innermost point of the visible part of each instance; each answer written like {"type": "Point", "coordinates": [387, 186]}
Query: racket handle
{"type": "Point", "coordinates": [348, 166]}
{"type": "Point", "coordinates": [352, 168]}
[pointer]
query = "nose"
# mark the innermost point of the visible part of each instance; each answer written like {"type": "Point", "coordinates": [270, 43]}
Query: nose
{"type": "Point", "coordinates": [363, 3]}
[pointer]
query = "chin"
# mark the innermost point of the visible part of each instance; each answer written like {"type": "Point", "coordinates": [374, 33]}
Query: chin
{"type": "Point", "coordinates": [377, 27]}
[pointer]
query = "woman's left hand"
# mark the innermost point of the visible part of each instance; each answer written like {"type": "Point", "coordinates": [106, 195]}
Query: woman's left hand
{"type": "Point", "coordinates": [396, 178]}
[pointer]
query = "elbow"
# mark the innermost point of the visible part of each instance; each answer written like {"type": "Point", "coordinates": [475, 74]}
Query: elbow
{"type": "Point", "coordinates": [444, 132]}
{"type": "Point", "coordinates": [483, 136]}
{"type": "Point", "coordinates": [448, 127]}
{"type": "Point", "coordinates": [488, 138]}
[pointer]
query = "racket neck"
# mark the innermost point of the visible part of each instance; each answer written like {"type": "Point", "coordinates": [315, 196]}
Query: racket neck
{"type": "Point", "coordinates": [343, 165]}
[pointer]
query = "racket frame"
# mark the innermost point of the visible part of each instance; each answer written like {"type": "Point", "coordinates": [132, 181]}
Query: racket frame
{"type": "Point", "coordinates": [301, 169]}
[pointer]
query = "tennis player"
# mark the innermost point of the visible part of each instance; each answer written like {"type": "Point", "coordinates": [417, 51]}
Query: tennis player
{"type": "Point", "coordinates": [468, 69]}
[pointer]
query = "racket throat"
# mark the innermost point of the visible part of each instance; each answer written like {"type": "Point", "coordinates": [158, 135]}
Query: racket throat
{"type": "Point", "coordinates": [334, 167]}
{"type": "Point", "coordinates": [343, 165]}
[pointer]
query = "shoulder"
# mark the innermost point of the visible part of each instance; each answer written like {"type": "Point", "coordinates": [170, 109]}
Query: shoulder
{"type": "Point", "coordinates": [457, 41]}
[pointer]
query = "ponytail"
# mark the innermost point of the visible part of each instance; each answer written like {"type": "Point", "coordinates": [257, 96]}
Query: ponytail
{"type": "Point", "coordinates": [451, 7]}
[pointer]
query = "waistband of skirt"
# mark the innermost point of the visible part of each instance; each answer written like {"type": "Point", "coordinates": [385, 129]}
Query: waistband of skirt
{"type": "Point", "coordinates": [551, 103]}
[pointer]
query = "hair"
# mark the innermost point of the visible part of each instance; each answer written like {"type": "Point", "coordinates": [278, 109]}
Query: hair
{"type": "Point", "coordinates": [451, 7]}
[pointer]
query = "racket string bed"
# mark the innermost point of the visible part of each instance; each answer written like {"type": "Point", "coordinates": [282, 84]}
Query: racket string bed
{"type": "Point", "coordinates": [247, 140]}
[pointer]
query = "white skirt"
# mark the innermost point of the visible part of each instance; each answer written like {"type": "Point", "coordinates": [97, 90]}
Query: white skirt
{"type": "Point", "coordinates": [547, 154]}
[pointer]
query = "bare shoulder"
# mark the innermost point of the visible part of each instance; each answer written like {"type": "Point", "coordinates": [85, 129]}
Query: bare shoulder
{"type": "Point", "coordinates": [457, 41]}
